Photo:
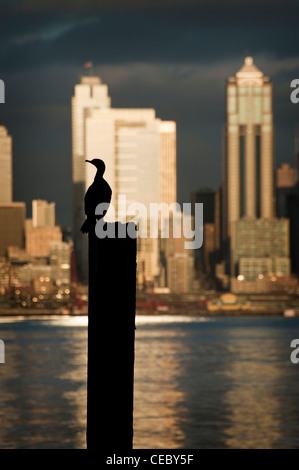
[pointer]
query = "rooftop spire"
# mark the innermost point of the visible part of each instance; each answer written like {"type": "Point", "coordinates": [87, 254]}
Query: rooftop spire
{"type": "Point", "coordinates": [249, 68]}
{"type": "Point", "coordinates": [249, 73]}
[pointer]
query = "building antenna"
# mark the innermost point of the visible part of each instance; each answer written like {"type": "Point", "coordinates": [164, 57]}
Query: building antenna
{"type": "Point", "coordinates": [89, 65]}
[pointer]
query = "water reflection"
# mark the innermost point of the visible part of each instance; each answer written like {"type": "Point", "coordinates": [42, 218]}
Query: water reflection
{"type": "Point", "coordinates": [157, 400]}
{"type": "Point", "coordinates": [253, 408]}
{"type": "Point", "coordinates": [258, 404]}
{"type": "Point", "coordinates": [212, 383]}
{"type": "Point", "coordinates": [43, 385]}
{"type": "Point", "coordinates": [225, 383]}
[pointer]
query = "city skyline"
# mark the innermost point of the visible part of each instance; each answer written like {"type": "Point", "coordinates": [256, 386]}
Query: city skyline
{"type": "Point", "coordinates": [180, 71]}
{"type": "Point", "coordinates": [180, 119]}
{"type": "Point", "coordinates": [214, 183]}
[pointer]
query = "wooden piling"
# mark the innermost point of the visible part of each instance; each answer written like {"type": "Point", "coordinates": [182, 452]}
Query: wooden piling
{"type": "Point", "coordinates": [111, 337]}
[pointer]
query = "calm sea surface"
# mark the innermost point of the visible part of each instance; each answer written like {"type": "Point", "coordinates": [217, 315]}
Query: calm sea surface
{"type": "Point", "coordinates": [199, 383]}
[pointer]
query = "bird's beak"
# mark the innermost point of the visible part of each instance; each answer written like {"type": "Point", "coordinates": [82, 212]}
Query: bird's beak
{"type": "Point", "coordinates": [89, 161]}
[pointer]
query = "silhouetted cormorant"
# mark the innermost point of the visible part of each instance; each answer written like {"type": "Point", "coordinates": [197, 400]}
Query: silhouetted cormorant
{"type": "Point", "coordinates": [99, 191]}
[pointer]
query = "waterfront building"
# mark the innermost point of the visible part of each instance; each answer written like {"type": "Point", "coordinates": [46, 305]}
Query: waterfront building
{"type": "Point", "coordinates": [267, 285]}
{"type": "Point", "coordinates": [6, 196]}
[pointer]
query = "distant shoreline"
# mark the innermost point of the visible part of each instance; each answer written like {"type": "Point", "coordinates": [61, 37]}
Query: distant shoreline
{"type": "Point", "coordinates": [36, 312]}
{"type": "Point", "coordinates": [185, 312]}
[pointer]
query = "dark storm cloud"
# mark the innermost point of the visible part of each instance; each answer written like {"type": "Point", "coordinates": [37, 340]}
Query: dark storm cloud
{"type": "Point", "coordinates": [208, 12]}
{"type": "Point", "coordinates": [37, 32]}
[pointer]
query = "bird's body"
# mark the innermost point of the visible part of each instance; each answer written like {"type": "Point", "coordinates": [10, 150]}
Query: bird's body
{"type": "Point", "coordinates": [98, 192]}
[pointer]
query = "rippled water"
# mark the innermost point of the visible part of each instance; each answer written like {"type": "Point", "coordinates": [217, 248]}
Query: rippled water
{"type": "Point", "coordinates": [43, 383]}
{"type": "Point", "coordinates": [199, 383]}
{"type": "Point", "coordinates": [216, 383]}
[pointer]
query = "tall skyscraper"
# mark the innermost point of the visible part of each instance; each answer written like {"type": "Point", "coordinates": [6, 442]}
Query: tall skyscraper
{"type": "Point", "coordinates": [139, 151]}
{"type": "Point", "coordinates": [256, 242]}
{"type": "Point", "coordinates": [5, 166]}
{"type": "Point", "coordinates": [248, 147]}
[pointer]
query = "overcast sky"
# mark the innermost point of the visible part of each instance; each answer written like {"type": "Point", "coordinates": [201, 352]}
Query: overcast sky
{"type": "Point", "coordinates": [173, 56]}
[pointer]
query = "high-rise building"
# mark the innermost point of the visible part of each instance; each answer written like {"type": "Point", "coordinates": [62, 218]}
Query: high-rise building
{"type": "Point", "coordinates": [43, 213]}
{"type": "Point", "coordinates": [139, 151]}
{"type": "Point", "coordinates": [12, 221]}
{"type": "Point", "coordinates": [256, 243]}
{"type": "Point", "coordinates": [248, 147]}
{"type": "Point", "coordinates": [5, 166]}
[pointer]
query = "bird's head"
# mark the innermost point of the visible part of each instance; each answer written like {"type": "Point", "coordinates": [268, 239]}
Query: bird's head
{"type": "Point", "coordinates": [99, 164]}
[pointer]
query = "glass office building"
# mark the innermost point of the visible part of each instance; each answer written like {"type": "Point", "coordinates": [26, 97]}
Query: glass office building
{"type": "Point", "coordinates": [139, 151]}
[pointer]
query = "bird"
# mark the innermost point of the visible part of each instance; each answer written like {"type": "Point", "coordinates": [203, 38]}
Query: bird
{"type": "Point", "coordinates": [98, 192]}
